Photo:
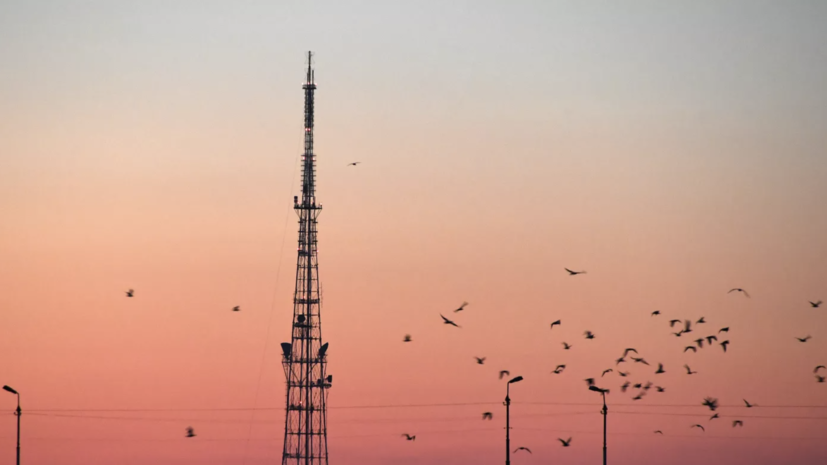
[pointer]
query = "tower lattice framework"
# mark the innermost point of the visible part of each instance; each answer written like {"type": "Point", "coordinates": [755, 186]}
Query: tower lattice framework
{"type": "Point", "coordinates": [304, 358]}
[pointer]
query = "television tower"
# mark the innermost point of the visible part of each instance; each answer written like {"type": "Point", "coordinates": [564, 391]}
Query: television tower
{"type": "Point", "coordinates": [305, 357]}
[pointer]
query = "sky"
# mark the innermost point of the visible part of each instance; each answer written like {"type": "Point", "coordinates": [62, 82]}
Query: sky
{"type": "Point", "coordinates": [673, 150]}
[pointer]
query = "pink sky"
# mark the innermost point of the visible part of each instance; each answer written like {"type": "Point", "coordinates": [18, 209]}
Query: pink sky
{"type": "Point", "coordinates": [672, 152]}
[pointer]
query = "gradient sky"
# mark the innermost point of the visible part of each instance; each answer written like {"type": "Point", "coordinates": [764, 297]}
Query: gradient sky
{"type": "Point", "coordinates": [673, 149]}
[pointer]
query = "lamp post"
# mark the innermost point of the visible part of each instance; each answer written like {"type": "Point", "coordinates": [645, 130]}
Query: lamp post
{"type": "Point", "coordinates": [508, 418]}
{"type": "Point", "coordinates": [17, 414]}
{"type": "Point", "coordinates": [605, 412]}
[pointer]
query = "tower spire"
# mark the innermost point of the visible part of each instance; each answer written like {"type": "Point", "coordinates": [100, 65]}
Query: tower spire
{"type": "Point", "coordinates": [305, 357]}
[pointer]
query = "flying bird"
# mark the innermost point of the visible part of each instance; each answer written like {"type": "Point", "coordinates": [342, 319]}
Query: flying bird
{"type": "Point", "coordinates": [190, 432]}
{"type": "Point", "coordinates": [724, 344]}
{"type": "Point", "coordinates": [659, 432]}
{"type": "Point", "coordinates": [815, 304]}
{"type": "Point", "coordinates": [818, 368]}
{"type": "Point", "coordinates": [637, 386]}
{"type": "Point", "coordinates": [608, 370]}
{"type": "Point", "coordinates": [623, 373]}
{"type": "Point", "coordinates": [354, 163]}
{"type": "Point", "coordinates": [647, 386]}
{"type": "Point", "coordinates": [555, 323]}
{"type": "Point", "coordinates": [237, 308]}
{"type": "Point", "coordinates": [709, 339]}
{"type": "Point", "coordinates": [699, 426]}
{"type": "Point", "coordinates": [660, 389]}
{"type": "Point", "coordinates": [487, 416]}
{"type": "Point", "coordinates": [130, 293]}
{"type": "Point", "coordinates": [749, 405]}
{"type": "Point", "coordinates": [407, 338]}
{"type": "Point", "coordinates": [640, 360]}
{"type": "Point", "coordinates": [630, 349]}
{"type": "Point", "coordinates": [738, 289]}
{"type": "Point", "coordinates": [723, 330]}
{"type": "Point", "coordinates": [504, 373]}
{"type": "Point", "coordinates": [619, 361]}
{"type": "Point", "coordinates": [678, 334]}
{"type": "Point", "coordinates": [589, 381]}
{"type": "Point", "coordinates": [700, 343]}
{"type": "Point", "coordinates": [689, 370]}
{"type": "Point", "coordinates": [566, 346]}
{"type": "Point", "coordinates": [522, 448]}
{"type": "Point", "coordinates": [589, 335]}
{"type": "Point", "coordinates": [692, 348]}
{"type": "Point", "coordinates": [672, 323]}
{"type": "Point", "coordinates": [819, 379]}
{"type": "Point", "coordinates": [711, 403]}
{"type": "Point", "coordinates": [572, 273]}
{"type": "Point", "coordinates": [461, 307]}
{"type": "Point", "coordinates": [660, 369]}
{"type": "Point", "coordinates": [714, 417]}
{"type": "Point", "coordinates": [700, 321]}
{"type": "Point", "coordinates": [656, 312]}
{"type": "Point", "coordinates": [409, 437]}
{"type": "Point", "coordinates": [480, 361]}
{"type": "Point", "coordinates": [565, 443]}
{"type": "Point", "coordinates": [559, 369]}
{"type": "Point", "coordinates": [625, 386]}
{"type": "Point", "coordinates": [804, 339]}
{"type": "Point", "coordinates": [687, 326]}
{"type": "Point", "coordinates": [448, 322]}
{"type": "Point", "coordinates": [737, 423]}
{"type": "Point", "coordinates": [638, 396]}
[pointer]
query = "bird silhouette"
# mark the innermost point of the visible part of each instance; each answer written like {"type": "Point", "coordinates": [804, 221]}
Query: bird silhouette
{"type": "Point", "coordinates": [714, 417]}
{"type": "Point", "coordinates": [737, 423]}
{"type": "Point", "coordinates": [566, 346]}
{"type": "Point", "coordinates": [461, 307]}
{"type": "Point", "coordinates": [699, 426]}
{"type": "Point", "coordinates": [619, 361]}
{"type": "Point", "coordinates": [672, 323]}
{"type": "Point", "coordinates": [738, 289]}
{"type": "Point", "coordinates": [815, 304]}
{"type": "Point", "coordinates": [749, 405]}
{"type": "Point", "coordinates": [608, 370]}
{"type": "Point", "coordinates": [647, 386]}
{"type": "Point", "coordinates": [700, 321]}
{"type": "Point", "coordinates": [522, 448]}
{"type": "Point", "coordinates": [624, 386]}
{"type": "Point", "coordinates": [565, 443]}
{"type": "Point", "coordinates": [504, 373]}
{"type": "Point", "coordinates": [711, 403]}
{"type": "Point", "coordinates": [623, 373]}
{"type": "Point", "coordinates": [480, 361]}
{"type": "Point", "coordinates": [487, 416]}
{"type": "Point", "coordinates": [692, 348]}
{"type": "Point", "coordinates": [689, 370]}
{"type": "Point", "coordinates": [409, 437]}
{"type": "Point", "coordinates": [658, 432]}
{"type": "Point", "coordinates": [555, 323]}
{"type": "Point", "coordinates": [724, 344]}
{"type": "Point", "coordinates": [723, 330]}
{"type": "Point", "coordinates": [559, 369]}
{"type": "Point", "coordinates": [660, 369]}
{"type": "Point", "coordinates": [804, 339]}
{"type": "Point", "coordinates": [687, 326]}
{"type": "Point", "coordinates": [638, 396]}
{"type": "Point", "coordinates": [700, 343]}
{"type": "Point", "coordinates": [354, 163]}
{"type": "Point", "coordinates": [589, 335]}
{"type": "Point", "coordinates": [572, 273]}
{"type": "Point", "coordinates": [449, 322]}
{"type": "Point", "coordinates": [819, 379]}
{"type": "Point", "coordinates": [656, 312]}
{"type": "Point", "coordinates": [629, 349]}
{"type": "Point", "coordinates": [589, 381]}
{"type": "Point", "coordinates": [190, 432]}
{"type": "Point", "coordinates": [130, 293]}
{"type": "Point", "coordinates": [236, 308]}
{"type": "Point", "coordinates": [818, 368]}
{"type": "Point", "coordinates": [660, 389]}
{"type": "Point", "coordinates": [678, 334]}
{"type": "Point", "coordinates": [637, 386]}
{"type": "Point", "coordinates": [407, 338]}
{"type": "Point", "coordinates": [640, 360]}
{"type": "Point", "coordinates": [709, 339]}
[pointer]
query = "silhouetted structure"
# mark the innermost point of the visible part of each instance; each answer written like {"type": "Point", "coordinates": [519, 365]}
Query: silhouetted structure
{"type": "Point", "coordinates": [304, 358]}
{"type": "Point", "coordinates": [507, 404]}
{"type": "Point", "coordinates": [17, 413]}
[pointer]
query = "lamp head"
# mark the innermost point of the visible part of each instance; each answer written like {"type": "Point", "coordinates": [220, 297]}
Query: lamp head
{"type": "Point", "coordinates": [516, 380]}
{"type": "Point", "coordinates": [7, 388]}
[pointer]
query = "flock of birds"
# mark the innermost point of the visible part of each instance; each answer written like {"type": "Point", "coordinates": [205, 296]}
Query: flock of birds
{"type": "Point", "coordinates": [685, 327]}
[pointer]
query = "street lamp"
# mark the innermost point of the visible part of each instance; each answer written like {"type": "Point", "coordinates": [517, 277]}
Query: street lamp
{"type": "Point", "coordinates": [508, 418]}
{"type": "Point", "coordinates": [605, 414]}
{"type": "Point", "coordinates": [17, 414]}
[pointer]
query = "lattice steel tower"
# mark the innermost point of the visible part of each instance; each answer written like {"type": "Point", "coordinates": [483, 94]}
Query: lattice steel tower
{"type": "Point", "coordinates": [304, 358]}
